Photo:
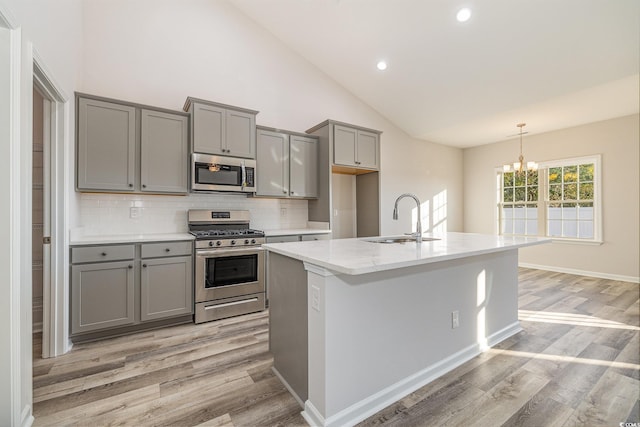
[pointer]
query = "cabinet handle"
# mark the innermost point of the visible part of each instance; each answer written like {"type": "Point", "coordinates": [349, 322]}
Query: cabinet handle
{"type": "Point", "coordinates": [144, 265]}
{"type": "Point", "coordinates": [130, 185]}
{"type": "Point", "coordinates": [167, 250]}
{"type": "Point", "coordinates": [144, 185]}
{"type": "Point", "coordinates": [103, 254]}
{"type": "Point", "coordinates": [130, 266]}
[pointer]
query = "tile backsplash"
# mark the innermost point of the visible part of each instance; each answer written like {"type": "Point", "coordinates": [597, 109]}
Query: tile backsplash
{"type": "Point", "coordinates": [114, 214]}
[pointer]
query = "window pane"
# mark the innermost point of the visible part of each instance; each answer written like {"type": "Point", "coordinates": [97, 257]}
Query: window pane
{"type": "Point", "coordinates": [520, 194]}
{"type": "Point", "coordinates": [555, 192]}
{"type": "Point", "coordinates": [585, 211]}
{"type": "Point", "coordinates": [532, 227]}
{"type": "Point", "coordinates": [507, 179]}
{"type": "Point", "coordinates": [555, 175]}
{"type": "Point", "coordinates": [586, 191]}
{"type": "Point", "coordinates": [532, 194]}
{"type": "Point", "coordinates": [519, 211]}
{"type": "Point", "coordinates": [507, 212]}
{"type": "Point", "coordinates": [569, 211]}
{"type": "Point", "coordinates": [555, 228]}
{"type": "Point", "coordinates": [570, 192]}
{"type": "Point", "coordinates": [571, 174]}
{"type": "Point", "coordinates": [508, 226]}
{"type": "Point", "coordinates": [585, 228]}
{"type": "Point", "coordinates": [570, 229]}
{"type": "Point", "coordinates": [586, 172]}
{"type": "Point", "coordinates": [532, 212]}
{"type": "Point", "coordinates": [520, 179]}
{"type": "Point", "coordinates": [518, 226]}
{"type": "Point", "coordinates": [555, 212]}
{"type": "Point", "coordinates": [532, 178]}
{"type": "Point", "coordinates": [508, 195]}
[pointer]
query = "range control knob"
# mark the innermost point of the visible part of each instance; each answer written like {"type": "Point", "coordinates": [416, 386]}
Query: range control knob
{"type": "Point", "coordinates": [253, 240]}
{"type": "Point", "coordinates": [233, 242]}
{"type": "Point", "coordinates": [210, 243]}
{"type": "Point", "coordinates": [218, 243]}
{"type": "Point", "coordinates": [246, 242]}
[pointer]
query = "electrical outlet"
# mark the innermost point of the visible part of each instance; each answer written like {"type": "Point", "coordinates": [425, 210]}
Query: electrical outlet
{"type": "Point", "coordinates": [135, 212]}
{"type": "Point", "coordinates": [283, 211]}
{"type": "Point", "coordinates": [315, 298]}
{"type": "Point", "coordinates": [455, 319]}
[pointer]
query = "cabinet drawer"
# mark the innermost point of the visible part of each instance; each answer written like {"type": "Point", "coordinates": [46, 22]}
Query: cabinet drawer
{"type": "Point", "coordinates": [283, 239]}
{"type": "Point", "coordinates": [156, 250]}
{"type": "Point", "coordinates": [102, 253]}
{"type": "Point", "coordinates": [324, 236]}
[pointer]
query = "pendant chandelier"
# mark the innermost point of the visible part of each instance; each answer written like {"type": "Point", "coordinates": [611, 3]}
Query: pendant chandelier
{"type": "Point", "coordinates": [520, 166]}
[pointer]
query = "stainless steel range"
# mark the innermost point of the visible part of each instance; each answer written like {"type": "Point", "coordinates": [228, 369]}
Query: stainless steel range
{"type": "Point", "coordinates": [230, 264]}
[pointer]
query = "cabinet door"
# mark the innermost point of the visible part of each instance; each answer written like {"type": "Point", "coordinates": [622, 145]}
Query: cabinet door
{"type": "Point", "coordinates": [367, 150]}
{"type": "Point", "coordinates": [303, 166]}
{"type": "Point", "coordinates": [166, 288]}
{"type": "Point", "coordinates": [164, 152]}
{"type": "Point", "coordinates": [102, 296]}
{"type": "Point", "coordinates": [272, 171]}
{"type": "Point", "coordinates": [208, 129]}
{"type": "Point", "coordinates": [344, 145]}
{"type": "Point", "coordinates": [240, 134]}
{"type": "Point", "coordinates": [106, 146]}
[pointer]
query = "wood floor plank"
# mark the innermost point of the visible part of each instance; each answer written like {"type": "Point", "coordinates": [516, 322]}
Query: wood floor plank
{"type": "Point", "coordinates": [576, 362]}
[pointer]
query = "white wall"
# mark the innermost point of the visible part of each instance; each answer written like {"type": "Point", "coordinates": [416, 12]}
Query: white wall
{"type": "Point", "coordinates": [618, 142]}
{"type": "Point", "coordinates": [159, 52]}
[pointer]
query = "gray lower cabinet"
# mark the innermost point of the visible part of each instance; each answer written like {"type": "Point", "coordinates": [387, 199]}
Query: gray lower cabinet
{"type": "Point", "coordinates": [125, 147]}
{"type": "Point", "coordinates": [116, 286]}
{"type": "Point", "coordinates": [222, 129]}
{"type": "Point", "coordinates": [287, 164]}
{"type": "Point", "coordinates": [298, 238]}
{"type": "Point", "coordinates": [102, 296]}
{"type": "Point", "coordinates": [165, 287]}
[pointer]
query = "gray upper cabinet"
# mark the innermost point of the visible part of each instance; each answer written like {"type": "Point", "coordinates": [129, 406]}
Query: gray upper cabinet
{"type": "Point", "coordinates": [355, 147]}
{"type": "Point", "coordinates": [272, 164]}
{"type": "Point", "coordinates": [106, 156]}
{"type": "Point", "coordinates": [222, 129]}
{"type": "Point", "coordinates": [124, 147]}
{"type": "Point", "coordinates": [303, 169]}
{"type": "Point", "coordinates": [287, 164]}
{"type": "Point", "coordinates": [164, 152]}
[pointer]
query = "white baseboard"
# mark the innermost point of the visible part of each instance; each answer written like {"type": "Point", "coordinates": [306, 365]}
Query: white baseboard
{"type": "Point", "coordinates": [288, 387]}
{"type": "Point", "coordinates": [378, 401]}
{"type": "Point", "coordinates": [577, 272]}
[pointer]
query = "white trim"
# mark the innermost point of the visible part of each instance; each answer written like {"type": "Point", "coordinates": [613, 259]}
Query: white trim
{"type": "Point", "coordinates": [321, 271]}
{"type": "Point", "coordinates": [7, 20]}
{"type": "Point", "coordinates": [55, 311]}
{"type": "Point", "coordinates": [380, 400]}
{"type": "Point", "coordinates": [596, 274]}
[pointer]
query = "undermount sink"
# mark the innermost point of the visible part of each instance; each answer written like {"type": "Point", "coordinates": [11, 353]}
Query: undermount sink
{"type": "Point", "coordinates": [401, 239]}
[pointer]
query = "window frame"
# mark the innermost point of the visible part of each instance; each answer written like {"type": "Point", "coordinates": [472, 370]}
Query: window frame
{"type": "Point", "coordinates": [544, 202]}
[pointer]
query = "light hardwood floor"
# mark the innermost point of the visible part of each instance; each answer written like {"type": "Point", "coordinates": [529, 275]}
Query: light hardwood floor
{"type": "Point", "coordinates": [575, 364]}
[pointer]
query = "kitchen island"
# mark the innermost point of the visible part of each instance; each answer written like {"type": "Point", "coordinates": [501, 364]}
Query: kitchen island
{"type": "Point", "coordinates": [356, 324]}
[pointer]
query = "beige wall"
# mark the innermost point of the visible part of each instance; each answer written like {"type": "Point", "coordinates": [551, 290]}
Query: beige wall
{"type": "Point", "coordinates": [617, 141]}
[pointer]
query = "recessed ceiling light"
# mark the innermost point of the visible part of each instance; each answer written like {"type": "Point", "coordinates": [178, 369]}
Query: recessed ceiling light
{"type": "Point", "coordinates": [382, 65]}
{"type": "Point", "coordinates": [463, 14]}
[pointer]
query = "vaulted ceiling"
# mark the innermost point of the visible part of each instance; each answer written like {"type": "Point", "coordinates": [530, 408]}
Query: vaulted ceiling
{"type": "Point", "coordinates": [552, 64]}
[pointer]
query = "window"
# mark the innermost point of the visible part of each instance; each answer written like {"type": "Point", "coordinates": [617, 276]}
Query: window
{"type": "Point", "coordinates": [560, 200]}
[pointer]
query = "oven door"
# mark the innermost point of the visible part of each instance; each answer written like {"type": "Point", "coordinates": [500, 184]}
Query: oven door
{"type": "Point", "coordinates": [226, 273]}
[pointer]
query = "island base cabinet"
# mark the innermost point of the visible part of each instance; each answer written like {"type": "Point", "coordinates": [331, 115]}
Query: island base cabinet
{"type": "Point", "coordinates": [102, 296]}
{"type": "Point", "coordinates": [165, 288]}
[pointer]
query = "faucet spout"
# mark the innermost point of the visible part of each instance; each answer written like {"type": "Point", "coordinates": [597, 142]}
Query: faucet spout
{"type": "Point", "coordinates": [418, 233]}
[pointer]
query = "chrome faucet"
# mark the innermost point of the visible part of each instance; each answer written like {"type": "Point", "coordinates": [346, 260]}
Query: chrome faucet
{"type": "Point", "coordinates": [418, 233]}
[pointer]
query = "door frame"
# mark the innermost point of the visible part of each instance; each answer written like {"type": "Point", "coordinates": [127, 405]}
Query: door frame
{"type": "Point", "coordinates": [55, 311]}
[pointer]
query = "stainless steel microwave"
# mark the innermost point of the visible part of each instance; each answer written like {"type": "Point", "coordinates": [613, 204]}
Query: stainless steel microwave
{"type": "Point", "coordinates": [218, 173]}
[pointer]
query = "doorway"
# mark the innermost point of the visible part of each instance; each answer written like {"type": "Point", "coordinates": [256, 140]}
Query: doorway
{"type": "Point", "coordinates": [38, 186]}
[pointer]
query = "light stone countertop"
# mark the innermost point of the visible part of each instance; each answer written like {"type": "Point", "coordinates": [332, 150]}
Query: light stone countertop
{"type": "Point", "coordinates": [358, 256]}
{"type": "Point", "coordinates": [129, 238]}
{"type": "Point", "coordinates": [295, 231]}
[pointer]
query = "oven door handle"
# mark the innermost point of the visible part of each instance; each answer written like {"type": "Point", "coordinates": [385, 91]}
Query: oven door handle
{"type": "Point", "coordinates": [217, 253]}
{"type": "Point", "coordinates": [228, 304]}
